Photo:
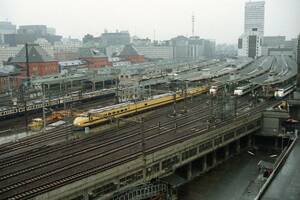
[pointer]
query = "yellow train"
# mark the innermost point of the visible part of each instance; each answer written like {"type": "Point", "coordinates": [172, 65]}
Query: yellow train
{"type": "Point", "coordinates": [97, 116]}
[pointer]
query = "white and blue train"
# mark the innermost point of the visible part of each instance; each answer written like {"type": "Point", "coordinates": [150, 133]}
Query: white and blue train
{"type": "Point", "coordinates": [282, 92]}
{"type": "Point", "coordinates": [242, 90]}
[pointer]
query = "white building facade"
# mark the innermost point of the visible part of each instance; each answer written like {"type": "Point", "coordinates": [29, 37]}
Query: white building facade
{"type": "Point", "coordinates": [6, 52]}
{"type": "Point", "coordinates": [45, 45]}
{"type": "Point", "coordinates": [250, 44]}
{"type": "Point", "coordinates": [156, 52]}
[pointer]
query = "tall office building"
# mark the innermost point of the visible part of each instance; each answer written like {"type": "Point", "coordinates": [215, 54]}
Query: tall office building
{"type": "Point", "coordinates": [6, 28]}
{"type": "Point", "coordinates": [250, 42]}
{"type": "Point", "coordinates": [33, 29]}
{"type": "Point", "coordinates": [254, 16]}
{"type": "Point", "coordinates": [115, 38]}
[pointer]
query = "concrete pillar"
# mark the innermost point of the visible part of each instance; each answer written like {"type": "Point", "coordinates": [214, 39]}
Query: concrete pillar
{"type": "Point", "coordinates": [85, 195]}
{"type": "Point", "coordinates": [249, 140]}
{"type": "Point", "coordinates": [276, 143]}
{"type": "Point", "coordinates": [94, 86]}
{"type": "Point", "coordinates": [189, 171]}
{"type": "Point", "coordinates": [117, 183]}
{"type": "Point", "coordinates": [214, 157]}
{"type": "Point", "coordinates": [238, 146]}
{"type": "Point", "coordinates": [226, 152]}
{"type": "Point", "coordinates": [204, 163]}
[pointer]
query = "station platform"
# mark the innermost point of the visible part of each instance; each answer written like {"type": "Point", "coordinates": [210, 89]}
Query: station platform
{"type": "Point", "coordinates": [286, 185]}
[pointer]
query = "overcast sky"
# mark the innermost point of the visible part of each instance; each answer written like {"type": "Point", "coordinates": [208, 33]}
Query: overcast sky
{"type": "Point", "coordinates": [215, 19]}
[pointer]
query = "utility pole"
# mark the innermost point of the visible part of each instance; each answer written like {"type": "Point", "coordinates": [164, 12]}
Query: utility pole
{"type": "Point", "coordinates": [117, 91]}
{"type": "Point", "coordinates": [185, 96]}
{"type": "Point", "coordinates": [175, 113]}
{"type": "Point", "coordinates": [235, 106]}
{"type": "Point", "coordinates": [44, 114]}
{"type": "Point", "coordinates": [174, 104]}
{"type": "Point", "coordinates": [26, 87]}
{"type": "Point", "coordinates": [64, 93]}
{"type": "Point", "coordinates": [143, 147]}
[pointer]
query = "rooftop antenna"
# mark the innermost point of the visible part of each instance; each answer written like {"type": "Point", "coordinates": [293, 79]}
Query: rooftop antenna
{"type": "Point", "coordinates": [193, 24]}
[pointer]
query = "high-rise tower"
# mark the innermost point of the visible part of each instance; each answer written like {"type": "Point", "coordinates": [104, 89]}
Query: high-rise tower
{"type": "Point", "coordinates": [254, 16]}
{"type": "Point", "coordinates": [250, 42]}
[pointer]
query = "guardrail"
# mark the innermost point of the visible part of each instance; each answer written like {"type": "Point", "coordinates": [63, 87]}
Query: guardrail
{"type": "Point", "coordinates": [277, 168]}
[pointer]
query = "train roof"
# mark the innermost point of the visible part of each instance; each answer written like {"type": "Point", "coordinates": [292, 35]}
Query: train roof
{"type": "Point", "coordinates": [108, 107]}
{"type": "Point", "coordinates": [93, 111]}
{"type": "Point", "coordinates": [243, 87]}
{"type": "Point", "coordinates": [161, 95]}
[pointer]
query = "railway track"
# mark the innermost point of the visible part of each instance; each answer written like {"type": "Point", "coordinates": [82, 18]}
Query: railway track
{"type": "Point", "coordinates": [106, 135]}
{"type": "Point", "coordinates": [94, 139]}
{"type": "Point", "coordinates": [129, 152]}
{"type": "Point", "coordinates": [18, 123]}
{"type": "Point", "coordinates": [40, 139]}
{"type": "Point", "coordinates": [69, 166]}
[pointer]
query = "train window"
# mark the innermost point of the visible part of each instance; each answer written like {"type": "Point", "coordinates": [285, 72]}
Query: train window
{"type": "Point", "coordinates": [146, 104]}
{"type": "Point", "coordinates": [121, 110]}
{"type": "Point", "coordinates": [108, 113]}
{"type": "Point", "coordinates": [114, 112]}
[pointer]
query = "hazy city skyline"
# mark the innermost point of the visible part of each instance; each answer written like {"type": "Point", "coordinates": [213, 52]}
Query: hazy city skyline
{"type": "Point", "coordinates": [222, 20]}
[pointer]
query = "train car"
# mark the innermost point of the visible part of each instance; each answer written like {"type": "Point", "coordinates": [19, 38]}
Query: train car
{"type": "Point", "coordinates": [214, 89]}
{"type": "Point", "coordinates": [282, 92]}
{"type": "Point", "coordinates": [36, 105]}
{"type": "Point", "coordinates": [97, 116]}
{"type": "Point", "coordinates": [242, 90]}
